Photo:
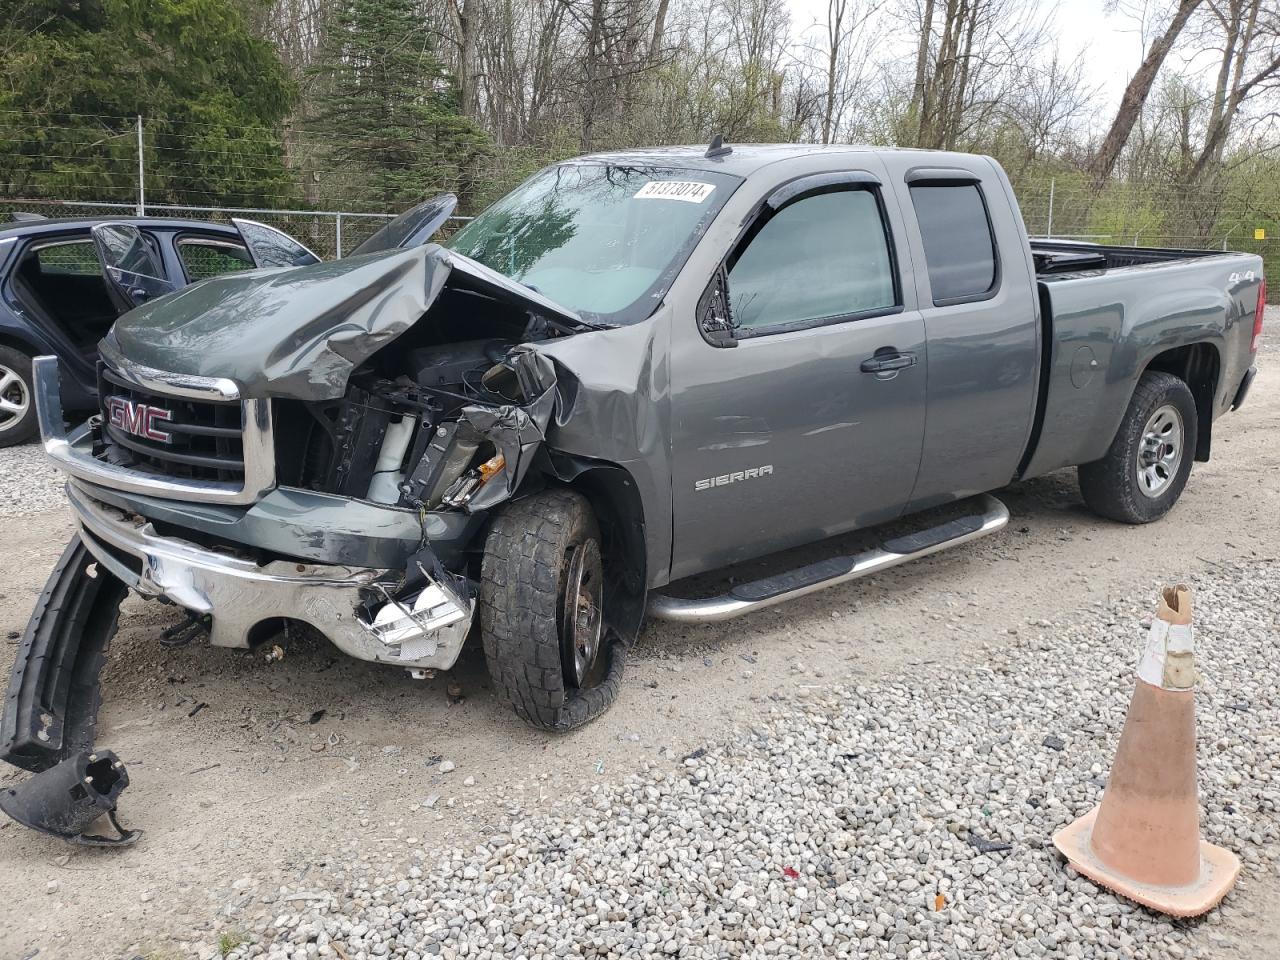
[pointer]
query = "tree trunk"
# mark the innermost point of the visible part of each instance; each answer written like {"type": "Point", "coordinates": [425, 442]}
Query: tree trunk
{"type": "Point", "coordinates": [916, 110]}
{"type": "Point", "coordinates": [835, 34]}
{"type": "Point", "coordinates": [466, 16]}
{"type": "Point", "coordinates": [594, 55]}
{"type": "Point", "coordinates": [1136, 93]}
{"type": "Point", "coordinates": [659, 28]}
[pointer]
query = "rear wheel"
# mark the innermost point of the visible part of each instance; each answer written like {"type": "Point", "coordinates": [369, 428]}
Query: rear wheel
{"type": "Point", "coordinates": [542, 612]}
{"type": "Point", "coordinates": [17, 409]}
{"type": "Point", "coordinates": [1146, 467]}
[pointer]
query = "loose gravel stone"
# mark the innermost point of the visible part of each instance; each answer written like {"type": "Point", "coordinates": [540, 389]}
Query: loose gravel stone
{"type": "Point", "coordinates": [838, 825]}
{"type": "Point", "coordinates": [29, 483]}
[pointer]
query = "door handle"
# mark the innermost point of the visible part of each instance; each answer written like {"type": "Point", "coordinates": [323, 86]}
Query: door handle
{"type": "Point", "coordinates": [887, 362]}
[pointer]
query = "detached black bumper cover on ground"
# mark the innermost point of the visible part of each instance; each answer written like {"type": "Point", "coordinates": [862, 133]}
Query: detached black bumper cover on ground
{"type": "Point", "coordinates": [66, 800]}
{"type": "Point", "coordinates": [51, 708]}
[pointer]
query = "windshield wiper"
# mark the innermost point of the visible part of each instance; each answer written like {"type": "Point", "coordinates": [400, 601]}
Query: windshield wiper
{"type": "Point", "coordinates": [575, 326]}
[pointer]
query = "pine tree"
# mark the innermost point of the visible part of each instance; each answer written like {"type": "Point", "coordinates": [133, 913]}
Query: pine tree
{"type": "Point", "coordinates": [75, 73]}
{"type": "Point", "coordinates": [387, 111]}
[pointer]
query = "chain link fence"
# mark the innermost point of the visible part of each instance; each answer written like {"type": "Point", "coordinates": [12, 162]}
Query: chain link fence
{"type": "Point", "coordinates": [81, 166]}
{"type": "Point", "coordinates": [330, 233]}
{"type": "Point", "coordinates": [1154, 215]}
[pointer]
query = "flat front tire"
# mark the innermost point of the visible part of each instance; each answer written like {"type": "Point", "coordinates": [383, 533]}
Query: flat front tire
{"type": "Point", "coordinates": [17, 406]}
{"type": "Point", "coordinates": [542, 615]}
{"type": "Point", "coordinates": [1146, 467]}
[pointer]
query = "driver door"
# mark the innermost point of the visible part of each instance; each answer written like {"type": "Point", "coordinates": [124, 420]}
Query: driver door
{"type": "Point", "coordinates": [131, 265]}
{"type": "Point", "coordinates": [813, 423]}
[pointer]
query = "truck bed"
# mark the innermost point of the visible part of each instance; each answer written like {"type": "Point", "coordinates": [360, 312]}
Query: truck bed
{"type": "Point", "coordinates": [1108, 312]}
{"type": "Point", "coordinates": [1069, 256]}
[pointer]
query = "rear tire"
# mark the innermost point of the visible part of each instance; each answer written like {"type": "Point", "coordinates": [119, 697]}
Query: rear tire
{"type": "Point", "coordinates": [17, 398]}
{"type": "Point", "coordinates": [1147, 465]}
{"type": "Point", "coordinates": [542, 562]}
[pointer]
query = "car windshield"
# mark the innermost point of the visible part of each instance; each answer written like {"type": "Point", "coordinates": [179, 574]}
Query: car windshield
{"type": "Point", "coordinates": [603, 239]}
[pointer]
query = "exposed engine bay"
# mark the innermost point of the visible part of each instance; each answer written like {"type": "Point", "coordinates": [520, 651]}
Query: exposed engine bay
{"type": "Point", "coordinates": [431, 421]}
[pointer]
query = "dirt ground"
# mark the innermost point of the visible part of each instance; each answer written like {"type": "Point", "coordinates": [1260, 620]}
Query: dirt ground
{"type": "Point", "coordinates": [243, 767]}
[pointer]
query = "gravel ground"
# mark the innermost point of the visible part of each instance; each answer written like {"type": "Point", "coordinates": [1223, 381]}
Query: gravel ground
{"type": "Point", "coordinates": [28, 483]}
{"type": "Point", "coordinates": [856, 737]}
{"type": "Point", "coordinates": [830, 827]}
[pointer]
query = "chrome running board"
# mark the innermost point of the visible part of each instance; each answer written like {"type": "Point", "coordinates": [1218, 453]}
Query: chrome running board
{"type": "Point", "coordinates": [743, 598]}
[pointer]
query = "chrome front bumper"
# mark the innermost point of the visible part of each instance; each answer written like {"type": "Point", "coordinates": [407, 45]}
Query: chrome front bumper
{"type": "Point", "coordinates": [239, 594]}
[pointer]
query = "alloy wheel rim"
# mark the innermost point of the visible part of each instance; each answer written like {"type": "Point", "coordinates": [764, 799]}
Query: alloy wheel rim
{"type": "Point", "coordinates": [14, 398]}
{"type": "Point", "coordinates": [582, 621]}
{"type": "Point", "coordinates": [1160, 451]}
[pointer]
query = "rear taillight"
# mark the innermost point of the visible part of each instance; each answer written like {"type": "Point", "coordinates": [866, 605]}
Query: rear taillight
{"type": "Point", "coordinates": [1257, 317]}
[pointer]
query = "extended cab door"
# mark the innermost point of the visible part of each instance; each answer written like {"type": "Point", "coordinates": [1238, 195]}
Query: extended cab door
{"type": "Point", "coordinates": [977, 292]}
{"type": "Point", "coordinates": [799, 412]}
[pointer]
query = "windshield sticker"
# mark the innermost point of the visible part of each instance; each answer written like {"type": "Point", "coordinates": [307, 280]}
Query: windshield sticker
{"type": "Point", "coordinates": [690, 191]}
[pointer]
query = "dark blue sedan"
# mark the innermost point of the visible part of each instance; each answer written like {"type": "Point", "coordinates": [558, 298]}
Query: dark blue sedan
{"type": "Point", "coordinates": [63, 283]}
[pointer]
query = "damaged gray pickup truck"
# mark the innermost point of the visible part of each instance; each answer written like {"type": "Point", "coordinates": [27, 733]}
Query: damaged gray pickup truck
{"type": "Point", "coordinates": [635, 368]}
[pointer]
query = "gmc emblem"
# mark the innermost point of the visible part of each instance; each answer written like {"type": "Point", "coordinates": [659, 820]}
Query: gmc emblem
{"type": "Point", "coordinates": [138, 418]}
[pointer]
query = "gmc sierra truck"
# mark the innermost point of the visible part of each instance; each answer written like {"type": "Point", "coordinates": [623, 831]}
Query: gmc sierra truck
{"type": "Point", "coordinates": [634, 368]}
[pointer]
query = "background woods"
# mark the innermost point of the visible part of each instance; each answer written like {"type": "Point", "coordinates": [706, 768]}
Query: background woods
{"type": "Point", "coordinates": [372, 104]}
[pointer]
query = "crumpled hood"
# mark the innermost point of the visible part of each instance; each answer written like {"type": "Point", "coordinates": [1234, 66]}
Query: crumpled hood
{"type": "Point", "coordinates": [299, 332]}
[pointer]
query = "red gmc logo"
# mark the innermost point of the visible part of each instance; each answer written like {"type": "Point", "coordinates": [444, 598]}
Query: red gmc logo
{"type": "Point", "coordinates": [138, 418]}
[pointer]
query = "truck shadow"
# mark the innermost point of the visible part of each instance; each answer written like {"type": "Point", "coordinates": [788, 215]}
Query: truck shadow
{"type": "Point", "coordinates": [309, 698]}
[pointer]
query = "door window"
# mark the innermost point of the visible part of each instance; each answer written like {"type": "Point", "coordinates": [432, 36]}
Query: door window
{"type": "Point", "coordinates": [823, 258]}
{"type": "Point", "coordinates": [959, 249]}
{"type": "Point", "coordinates": [76, 257]}
{"type": "Point", "coordinates": [202, 259]}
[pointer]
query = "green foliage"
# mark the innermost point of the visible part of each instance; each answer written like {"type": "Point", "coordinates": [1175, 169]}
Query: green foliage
{"type": "Point", "coordinates": [230, 940]}
{"type": "Point", "coordinates": [73, 75]}
{"type": "Point", "coordinates": [387, 111]}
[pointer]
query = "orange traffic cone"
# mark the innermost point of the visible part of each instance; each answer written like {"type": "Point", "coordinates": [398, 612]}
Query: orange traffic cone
{"type": "Point", "coordinates": [1143, 840]}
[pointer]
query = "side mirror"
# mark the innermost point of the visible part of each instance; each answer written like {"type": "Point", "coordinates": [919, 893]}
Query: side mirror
{"type": "Point", "coordinates": [715, 315]}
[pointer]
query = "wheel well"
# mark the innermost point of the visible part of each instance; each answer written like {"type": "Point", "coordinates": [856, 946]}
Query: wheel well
{"type": "Point", "coordinates": [616, 502]}
{"type": "Point", "coordinates": [1198, 366]}
{"type": "Point", "coordinates": [17, 343]}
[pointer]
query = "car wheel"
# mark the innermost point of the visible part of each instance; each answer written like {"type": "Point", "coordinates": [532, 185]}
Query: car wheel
{"type": "Point", "coordinates": [542, 620]}
{"type": "Point", "coordinates": [1147, 465]}
{"type": "Point", "coordinates": [17, 403]}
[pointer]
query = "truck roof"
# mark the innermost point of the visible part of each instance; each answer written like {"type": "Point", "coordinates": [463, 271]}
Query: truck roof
{"type": "Point", "coordinates": [746, 158]}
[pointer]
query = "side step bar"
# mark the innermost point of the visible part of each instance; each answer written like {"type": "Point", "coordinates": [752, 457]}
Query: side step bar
{"type": "Point", "coordinates": [758, 594]}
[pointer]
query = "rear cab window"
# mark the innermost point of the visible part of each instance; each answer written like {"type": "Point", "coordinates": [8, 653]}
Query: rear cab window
{"type": "Point", "coordinates": [823, 258]}
{"type": "Point", "coordinates": [205, 257]}
{"type": "Point", "coordinates": [959, 245]}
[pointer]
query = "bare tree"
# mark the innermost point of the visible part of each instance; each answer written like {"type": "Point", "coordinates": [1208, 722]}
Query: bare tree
{"type": "Point", "coordinates": [1246, 34]}
{"type": "Point", "coordinates": [1137, 91]}
{"type": "Point", "coordinates": [465, 17]}
{"type": "Point", "coordinates": [971, 58]}
{"type": "Point", "coordinates": [847, 60]}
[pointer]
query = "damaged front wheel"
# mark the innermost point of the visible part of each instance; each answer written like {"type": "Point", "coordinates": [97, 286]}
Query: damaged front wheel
{"type": "Point", "coordinates": [542, 615]}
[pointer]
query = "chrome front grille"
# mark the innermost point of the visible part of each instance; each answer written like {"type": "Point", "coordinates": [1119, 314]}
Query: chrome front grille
{"type": "Point", "coordinates": [173, 435]}
{"type": "Point", "coordinates": [193, 439]}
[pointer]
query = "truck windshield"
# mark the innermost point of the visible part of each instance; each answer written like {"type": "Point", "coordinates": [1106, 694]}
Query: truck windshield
{"type": "Point", "coordinates": [603, 239]}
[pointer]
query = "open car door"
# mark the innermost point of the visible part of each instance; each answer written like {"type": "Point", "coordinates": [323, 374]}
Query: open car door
{"type": "Point", "coordinates": [270, 247]}
{"type": "Point", "coordinates": [412, 228]}
{"type": "Point", "coordinates": [131, 265]}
